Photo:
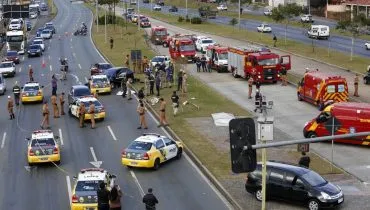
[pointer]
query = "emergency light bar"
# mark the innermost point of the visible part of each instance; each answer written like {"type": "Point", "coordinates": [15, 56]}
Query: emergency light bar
{"type": "Point", "coordinates": [92, 169]}
{"type": "Point", "coordinates": [151, 134]}
{"type": "Point", "coordinates": [42, 131]}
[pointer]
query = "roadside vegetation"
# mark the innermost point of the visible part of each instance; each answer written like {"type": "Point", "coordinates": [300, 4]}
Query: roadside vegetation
{"type": "Point", "coordinates": [53, 10]}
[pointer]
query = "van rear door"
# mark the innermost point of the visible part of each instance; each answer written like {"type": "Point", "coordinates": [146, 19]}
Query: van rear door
{"type": "Point", "coordinates": [285, 62]}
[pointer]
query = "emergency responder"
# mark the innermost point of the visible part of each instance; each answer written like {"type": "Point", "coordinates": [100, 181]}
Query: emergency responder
{"type": "Point", "coordinates": [103, 197]}
{"type": "Point", "coordinates": [124, 87]}
{"type": "Point", "coordinates": [55, 105]}
{"type": "Point", "coordinates": [54, 85]}
{"type": "Point", "coordinates": [198, 63]}
{"type": "Point", "coordinates": [141, 111]}
{"type": "Point", "coordinates": [81, 114]}
{"type": "Point", "coordinates": [16, 92]}
{"type": "Point", "coordinates": [10, 108]}
{"type": "Point", "coordinates": [45, 114]}
{"type": "Point", "coordinates": [92, 113]}
{"type": "Point", "coordinates": [157, 83]}
{"type": "Point", "coordinates": [184, 83]}
{"type": "Point", "coordinates": [304, 160]}
{"type": "Point", "coordinates": [129, 87]}
{"type": "Point", "coordinates": [356, 81]}
{"type": "Point", "coordinates": [127, 61]}
{"type": "Point", "coordinates": [162, 115]}
{"type": "Point", "coordinates": [30, 73]}
{"type": "Point", "coordinates": [150, 200]}
{"type": "Point", "coordinates": [250, 87]}
{"type": "Point", "coordinates": [151, 84]}
{"type": "Point", "coordinates": [175, 103]}
{"type": "Point", "coordinates": [284, 77]}
{"type": "Point", "coordinates": [61, 101]}
{"type": "Point", "coordinates": [169, 74]}
{"type": "Point", "coordinates": [145, 62]}
{"type": "Point", "coordinates": [179, 80]}
{"type": "Point", "coordinates": [111, 42]}
{"type": "Point", "coordinates": [203, 61]}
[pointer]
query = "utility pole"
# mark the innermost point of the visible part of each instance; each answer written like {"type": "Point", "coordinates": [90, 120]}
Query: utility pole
{"type": "Point", "coordinates": [240, 11]}
{"type": "Point", "coordinates": [105, 26]}
{"type": "Point", "coordinates": [126, 14]}
{"type": "Point", "coordinates": [186, 6]}
{"type": "Point", "coordinates": [326, 11]}
{"type": "Point", "coordinates": [138, 17]}
{"type": "Point", "coordinates": [97, 16]}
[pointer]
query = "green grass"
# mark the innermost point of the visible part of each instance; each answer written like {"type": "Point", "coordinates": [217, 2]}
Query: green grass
{"type": "Point", "coordinates": [358, 64]}
{"type": "Point", "coordinates": [52, 8]}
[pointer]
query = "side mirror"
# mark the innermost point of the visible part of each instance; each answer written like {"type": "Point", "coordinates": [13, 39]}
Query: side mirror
{"type": "Point", "coordinates": [27, 139]}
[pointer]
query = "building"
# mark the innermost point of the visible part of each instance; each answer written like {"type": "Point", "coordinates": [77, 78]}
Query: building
{"type": "Point", "coordinates": [275, 3]}
{"type": "Point", "coordinates": [358, 7]}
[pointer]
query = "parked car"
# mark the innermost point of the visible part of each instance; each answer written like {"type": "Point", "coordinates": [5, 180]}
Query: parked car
{"type": "Point", "coordinates": [12, 56]}
{"type": "Point", "coordinates": [264, 28]}
{"type": "Point", "coordinates": [117, 74]}
{"type": "Point", "coordinates": [146, 1]}
{"type": "Point", "coordinates": [307, 19]}
{"type": "Point", "coordinates": [202, 43]}
{"type": "Point", "coordinates": [222, 7]}
{"type": "Point", "coordinates": [173, 9]}
{"type": "Point", "coordinates": [267, 12]}
{"type": "Point", "coordinates": [99, 68]}
{"type": "Point", "coordinates": [2, 85]}
{"type": "Point", "coordinates": [77, 91]}
{"type": "Point", "coordinates": [367, 45]}
{"type": "Point", "coordinates": [295, 184]}
{"type": "Point", "coordinates": [157, 7]}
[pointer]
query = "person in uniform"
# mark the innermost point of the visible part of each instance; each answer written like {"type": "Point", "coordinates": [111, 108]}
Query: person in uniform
{"type": "Point", "coordinates": [92, 113]}
{"type": "Point", "coordinates": [111, 42]}
{"type": "Point", "coordinates": [96, 94]}
{"type": "Point", "coordinates": [54, 85]}
{"type": "Point", "coordinates": [203, 62]}
{"type": "Point", "coordinates": [150, 200]}
{"type": "Point", "coordinates": [55, 105]}
{"type": "Point", "coordinates": [141, 111]}
{"type": "Point", "coordinates": [124, 87]}
{"type": "Point", "coordinates": [16, 92]}
{"type": "Point", "coordinates": [151, 84]}
{"type": "Point", "coordinates": [157, 83]}
{"type": "Point", "coordinates": [162, 115]}
{"type": "Point", "coordinates": [356, 81]}
{"type": "Point", "coordinates": [81, 114]}
{"type": "Point", "coordinates": [284, 77]}
{"type": "Point", "coordinates": [175, 103]}
{"type": "Point", "coordinates": [30, 73]}
{"type": "Point", "coordinates": [198, 63]}
{"type": "Point", "coordinates": [179, 80]}
{"type": "Point", "coordinates": [145, 62]}
{"type": "Point", "coordinates": [169, 75]}
{"type": "Point", "coordinates": [10, 108]}
{"type": "Point", "coordinates": [129, 87]}
{"type": "Point", "coordinates": [61, 101]}
{"type": "Point", "coordinates": [304, 160]}
{"type": "Point", "coordinates": [45, 114]}
{"type": "Point", "coordinates": [250, 87]}
{"type": "Point", "coordinates": [127, 62]}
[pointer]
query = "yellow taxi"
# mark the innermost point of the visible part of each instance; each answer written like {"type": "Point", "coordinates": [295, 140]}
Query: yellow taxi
{"type": "Point", "coordinates": [151, 150]}
{"type": "Point", "coordinates": [42, 148]}
{"type": "Point", "coordinates": [84, 193]}
{"type": "Point", "coordinates": [74, 108]}
{"type": "Point", "coordinates": [32, 92]}
{"type": "Point", "coordinates": [100, 83]}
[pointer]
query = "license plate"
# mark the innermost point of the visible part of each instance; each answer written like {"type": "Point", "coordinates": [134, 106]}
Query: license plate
{"type": "Point", "coordinates": [33, 53]}
{"type": "Point", "coordinates": [340, 200]}
{"type": "Point", "coordinates": [44, 158]}
{"type": "Point", "coordinates": [269, 77]}
{"type": "Point", "coordinates": [133, 163]}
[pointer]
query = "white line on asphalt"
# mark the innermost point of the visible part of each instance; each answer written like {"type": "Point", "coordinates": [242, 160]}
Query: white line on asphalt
{"type": "Point", "coordinates": [61, 137]}
{"type": "Point", "coordinates": [86, 80]}
{"type": "Point", "coordinates": [137, 183]}
{"type": "Point", "coordinates": [49, 48]}
{"type": "Point", "coordinates": [20, 69]}
{"type": "Point", "coordinates": [93, 154]}
{"type": "Point", "coordinates": [51, 68]}
{"type": "Point", "coordinates": [22, 58]}
{"type": "Point", "coordinates": [79, 66]}
{"type": "Point", "coordinates": [71, 46]}
{"type": "Point", "coordinates": [111, 133]}
{"type": "Point", "coordinates": [74, 54]}
{"type": "Point", "coordinates": [71, 39]}
{"type": "Point", "coordinates": [50, 40]}
{"type": "Point", "coordinates": [69, 189]}
{"type": "Point", "coordinates": [49, 57]}
{"type": "Point", "coordinates": [3, 141]}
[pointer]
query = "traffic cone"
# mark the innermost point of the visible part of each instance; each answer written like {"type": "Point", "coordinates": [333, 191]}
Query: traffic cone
{"type": "Point", "coordinates": [43, 64]}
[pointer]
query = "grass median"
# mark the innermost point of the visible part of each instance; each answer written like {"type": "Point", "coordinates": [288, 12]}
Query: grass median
{"type": "Point", "coordinates": [52, 8]}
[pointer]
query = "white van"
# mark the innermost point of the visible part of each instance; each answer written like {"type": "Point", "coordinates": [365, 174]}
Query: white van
{"type": "Point", "coordinates": [319, 31]}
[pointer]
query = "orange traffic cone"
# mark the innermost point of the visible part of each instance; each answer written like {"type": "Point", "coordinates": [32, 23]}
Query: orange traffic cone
{"type": "Point", "coordinates": [43, 64]}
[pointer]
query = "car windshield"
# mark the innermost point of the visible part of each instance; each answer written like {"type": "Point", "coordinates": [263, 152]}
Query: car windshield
{"type": "Point", "coordinates": [5, 65]}
{"type": "Point", "coordinates": [37, 42]}
{"type": "Point", "coordinates": [140, 145]}
{"type": "Point", "coordinates": [18, 38]}
{"type": "Point", "coordinates": [313, 179]}
{"type": "Point", "coordinates": [45, 32]}
{"type": "Point", "coordinates": [207, 41]}
{"type": "Point", "coordinates": [158, 59]}
{"type": "Point", "coordinates": [103, 80]}
{"type": "Point", "coordinates": [268, 61]}
{"type": "Point", "coordinates": [188, 47]}
{"type": "Point", "coordinates": [42, 142]}
{"type": "Point", "coordinates": [31, 88]}
{"type": "Point", "coordinates": [160, 33]}
{"type": "Point", "coordinates": [15, 22]}
{"type": "Point", "coordinates": [34, 47]}
{"type": "Point", "coordinates": [223, 56]}
{"type": "Point", "coordinates": [82, 92]}
{"type": "Point", "coordinates": [105, 66]}
{"type": "Point", "coordinates": [12, 53]}
{"type": "Point", "coordinates": [87, 185]}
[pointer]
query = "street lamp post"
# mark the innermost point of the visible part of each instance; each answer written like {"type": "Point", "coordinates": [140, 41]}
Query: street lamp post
{"type": "Point", "coordinates": [186, 6]}
{"type": "Point", "coordinates": [97, 16]}
{"type": "Point", "coordinates": [138, 15]}
{"type": "Point", "coordinates": [240, 11]}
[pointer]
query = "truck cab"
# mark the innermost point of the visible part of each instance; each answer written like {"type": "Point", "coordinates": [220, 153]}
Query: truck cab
{"type": "Point", "coordinates": [217, 57]}
{"type": "Point", "coordinates": [15, 41]}
{"type": "Point", "coordinates": [158, 35]}
{"type": "Point", "coordinates": [182, 48]}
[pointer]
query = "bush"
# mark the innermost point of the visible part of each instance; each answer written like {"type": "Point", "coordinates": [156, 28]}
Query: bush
{"type": "Point", "coordinates": [180, 19]}
{"type": "Point", "coordinates": [196, 20]}
{"type": "Point", "coordinates": [187, 19]}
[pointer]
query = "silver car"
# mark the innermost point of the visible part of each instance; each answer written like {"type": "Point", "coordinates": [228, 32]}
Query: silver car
{"type": "Point", "coordinates": [2, 85]}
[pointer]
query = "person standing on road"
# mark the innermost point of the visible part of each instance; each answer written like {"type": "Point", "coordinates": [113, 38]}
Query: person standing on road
{"type": "Point", "coordinates": [162, 114]}
{"type": "Point", "coordinates": [124, 87]}
{"type": "Point", "coordinates": [115, 198]}
{"type": "Point", "coordinates": [203, 61]}
{"type": "Point", "coordinates": [54, 85]}
{"type": "Point", "coordinates": [145, 62]}
{"type": "Point", "coordinates": [304, 160]}
{"type": "Point", "coordinates": [179, 80]}
{"type": "Point", "coordinates": [141, 111]}
{"type": "Point", "coordinates": [81, 114]}
{"type": "Point", "coordinates": [169, 74]}
{"type": "Point", "coordinates": [129, 87]}
{"type": "Point", "coordinates": [45, 114]}
{"type": "Point", "coordinates": [30, 73]}
{"type": "Point", "coordinates": [158, 83]}
{"type": "Point", "coordinates": [111, 42]}
{"type": "Point", "coordinates": [250, 87]}
{"type": "Point", "coordinates": [150, 200]}
{"type": "Point", "coordinates": [103, 197]}
{"type": "Point", "coordinates": [175, 103]}
{"type": "Point", "coordinates": [16, 92]}
{"type": "Point", "coordinates": [92, 113]}
{"type": "Point", "coordinates": [198, 63]}
{"type": "Point", "coordinates": [61, 101]}
{"type": "Point", "coordinates": [55, 105]}
{"type": "Point", "coordinates": [356, 81]}
{"type": "Point", "coordinates": [10, 108]}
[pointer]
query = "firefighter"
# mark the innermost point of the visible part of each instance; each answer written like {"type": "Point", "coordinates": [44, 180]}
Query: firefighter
{"type": "Point", "coordinates": [284, 77]}
{"type": "Point", "coordinates": [250, 86]}
{"type": "Point", "coordinates": [92, 112]}
{"type": "Point", "coordinates": [30, 73]}
{"type": "Point", "coordinates": [10, 108]}
{"type": "Point", "coordinates": [61, 101]}
{"type": "Point", "coordinates": [356, 81]}
{"type": "Point", "coordinates": [81, 114]}
{"type": "Point", "coordinates": [145, 62]}
{"type": "Point", "coordinates": [16, 92]}
{"type": "Point", "coordinates": [45, 114]}
{"type": "Point", "coordinates": [55, 106]}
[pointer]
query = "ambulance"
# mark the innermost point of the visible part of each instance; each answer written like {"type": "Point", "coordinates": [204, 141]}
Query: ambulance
{"type": "Point", "coordinates": [347, 118]}
{"type": "Point", "coordinates": [217, 57]}
{"type": "Point", "coordinates": [319, 88]}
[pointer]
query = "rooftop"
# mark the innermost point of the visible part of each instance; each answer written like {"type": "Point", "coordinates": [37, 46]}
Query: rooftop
{"type": "Point", "coordinates": [358, 2]}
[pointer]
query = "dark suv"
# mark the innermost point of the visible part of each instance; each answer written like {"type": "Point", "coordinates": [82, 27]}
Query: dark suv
{"type": "Point", "coordinates": [295, 184]}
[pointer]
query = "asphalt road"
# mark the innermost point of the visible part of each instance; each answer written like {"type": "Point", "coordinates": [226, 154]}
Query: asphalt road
{"type": "Point", "coordinates": [335, 42]}
{"type": "Point", "coordinates": [178, 184]}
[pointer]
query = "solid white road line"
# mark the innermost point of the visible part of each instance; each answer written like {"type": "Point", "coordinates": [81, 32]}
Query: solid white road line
{"type": "Point", "coordinates": [93, 154]}
{"type": "Point", "coordinates": [22, 58]}
{"type": "Point", "coordinates": [79, 66]}
{"type": "Point", "coordinates": [74, 54]}
{"type": "Point", "coordinates": [3, 141]}
{"type": "Point", "coordinates": [51, 68]}
{"type": "Point", "coordinates": [71, 39]}
{"type": "Point", "coordinates": [71, 46]}
{"type": "Point", "coordinates": [61, 136]}
{"type": "Point", "coordinates": [20, 69]}
{"type": "Point", "coordinates": [111, 133]}
{"type": "Point", "coordinates": [69, 189]}
{"type": "Point", "coordinates": [49, 57]}
{"type": "Point", "coordinates": [86, 80]}
{"type": "Point", "coordinates": [137, 183]}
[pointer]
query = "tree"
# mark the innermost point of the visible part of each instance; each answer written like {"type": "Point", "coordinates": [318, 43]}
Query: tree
{"type": "Point", "coordinates": [285, 13]}
{"type": "Point", "coordinates": [233, 22]}
{"type": "Point", "coordinates": [110, 3]}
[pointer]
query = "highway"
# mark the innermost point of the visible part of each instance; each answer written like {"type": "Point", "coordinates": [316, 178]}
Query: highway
{"type": "Point", "coordinates": [177, 185]}
{"type": "Point", "coordinates": [335, 42]}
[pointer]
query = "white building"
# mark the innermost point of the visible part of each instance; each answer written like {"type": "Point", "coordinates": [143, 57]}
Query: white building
{"type": "Point", "coordinates": [275, 3]}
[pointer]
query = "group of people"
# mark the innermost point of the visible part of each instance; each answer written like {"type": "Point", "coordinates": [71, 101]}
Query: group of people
{"type": "Point", "coordinates": [201, 63]}
{"type": "Point", "coordinates": [160, 76]}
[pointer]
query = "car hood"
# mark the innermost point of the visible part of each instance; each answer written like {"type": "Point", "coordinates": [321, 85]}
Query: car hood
{"type": "Point", "coordinates": [6, 69]}
{"type": "Point", "coordinates": [329, 189]}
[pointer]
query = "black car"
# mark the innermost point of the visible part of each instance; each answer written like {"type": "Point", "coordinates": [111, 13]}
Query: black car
{"type": "Point", "coordinates": [367, 77]}
{"type": "Point", "coordinates": [34, 50]}
{"type": "Point", "coordinates": [78, 91]}
{"type": "Point", "coordinates": [117, 74]}
{"type": "Point", "coordinates": [295, 184]}
{"type": "Point", "coordinates": [173, 9]}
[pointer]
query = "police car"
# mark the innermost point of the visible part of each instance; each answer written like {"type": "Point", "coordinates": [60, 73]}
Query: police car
{"type": "Point", "coordinates": [75, 106]}
{"type": "Point", "coordinates": [100, 83]}
{"type": "Point", "coordinates": [84, 194]}
{"type": "Point", "coordinates": [42, 147]}
{"type": "Point", "coordinates": [150, 150]}
{"type": "Point", "coordinates": [32, 92]}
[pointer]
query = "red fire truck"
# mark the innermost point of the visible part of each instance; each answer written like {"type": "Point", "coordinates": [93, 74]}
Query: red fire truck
{"type": "Point", "coordinates": [158, 35]}
{"type": "Point", "coordinates": [216, 56]}
{"type": "Point", "coordinates": [182, 48]}
{"type": "Point", "coordinates": [259, 63]}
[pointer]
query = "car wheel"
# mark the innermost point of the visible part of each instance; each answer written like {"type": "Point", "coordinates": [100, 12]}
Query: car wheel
{"type": "Point", "coordinates": [258, 194]}
{"type": "Point", "coordinates": [313, 205]}
{"type": "Point", "coordinates": [299, 96]}
{"type": "Point", "coordinates": [311, 135]}
{"type": "Point", "coordinates": [156, 165]}
{"type": "Point", "coordinates": [234, 74]}
{"type": "Point", "coordinates": [179, 154]}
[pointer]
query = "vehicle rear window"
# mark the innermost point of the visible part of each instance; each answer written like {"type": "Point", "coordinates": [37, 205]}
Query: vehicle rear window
{"type": "Point", "coordinates": [330, 89]}
{"type": "Point", "coordinates": [100, 80]}
{"type": "Point", "coordinates": [31, 88]}
{"type": "Point", "coordinates": [37, 42]}
{"type": "Point", "coordinates": [313, 179]}
{"type": "Point", "coordinates": [341, 88]}
{"type": "Point", "coordinates": [96, 103]}
{"type": "Point", "coordinates": [158, 59]}
{"type": "Point", "coordinates": [82, 92]}
{"type": "Point", "coordinates": [105, 66]}
{"type": "Point", "coordinates": [207, 41]}
{"type": "Point", "coordinates": [139, 145]}
{"type": "Point", "coordinates": [34, 47]}
{"type": "Point", "coordinates": [88, 185]}
{"type": "Point", "coordinates": [45, 31]}
{"type": "Point", "coordinates": [42, 142]}
{"type": "Point", "coordinates": [12, 53]}
{"type": "Point", "coordinates": [5, 65]}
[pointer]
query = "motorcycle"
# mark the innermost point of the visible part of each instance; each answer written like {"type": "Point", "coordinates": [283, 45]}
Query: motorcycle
{"type": "Point", "coordinates": [82, 31]}
{"type": "Point", "coordinates": [64, 68]}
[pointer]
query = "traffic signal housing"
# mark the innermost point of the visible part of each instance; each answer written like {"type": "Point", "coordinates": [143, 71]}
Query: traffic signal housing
{"type": "Point", "coordinates": [242, 133]}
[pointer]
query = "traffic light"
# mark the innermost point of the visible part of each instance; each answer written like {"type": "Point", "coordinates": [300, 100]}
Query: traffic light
{"type": "Point", "coordinates": [242, 133]}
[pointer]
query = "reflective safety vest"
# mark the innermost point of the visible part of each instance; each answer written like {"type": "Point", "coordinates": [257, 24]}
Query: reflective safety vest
{"type": "Point", "coordinates": [16, 89]}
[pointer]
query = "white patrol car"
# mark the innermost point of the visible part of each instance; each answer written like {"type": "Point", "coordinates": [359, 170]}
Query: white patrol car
{"type": "Point", "coordinates": [39, 42]}
{"type": "Point", "coordinates": [74, 108]}
{"type": "Point", "coordinates": [159, 59]}
{"type": "Point", "coordinates": [42, 148]}
{"type": "Point", "coordinates": [264, 28]}
{"type": "Point", "coordinates": [202, 43]}
{"type": "Point", "coordinates": [84, 193]}
{"type": "Point", "coordinates": [7, 68]}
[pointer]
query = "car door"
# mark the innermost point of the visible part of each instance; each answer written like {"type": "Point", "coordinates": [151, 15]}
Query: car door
{"type": "Point", "coordinates": [275, 183]}
{"type": "Point", "coordinates": [70, 94]}
{"type": "Point", "coordinates": [161, 147]}
{"type": "Point", "coordinates": [298, 191]}
{"type": "Point", "coordinates": [171, 148]}
{"type": "Point", "coordinates": [74, 108]}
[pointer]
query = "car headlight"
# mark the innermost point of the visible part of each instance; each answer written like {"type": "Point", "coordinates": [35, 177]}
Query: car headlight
{"type": "Point", "coordinates": [324, 197]}
{"type": "Point", "coordinates": [182, 56]}
{"type": "Point", "coordinates": [157, 39]}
